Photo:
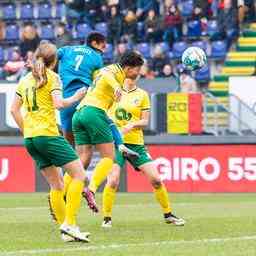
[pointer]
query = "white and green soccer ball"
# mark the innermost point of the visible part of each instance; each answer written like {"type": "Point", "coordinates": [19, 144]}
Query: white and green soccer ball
{"type": "Point", "coordinates": [194, 58]}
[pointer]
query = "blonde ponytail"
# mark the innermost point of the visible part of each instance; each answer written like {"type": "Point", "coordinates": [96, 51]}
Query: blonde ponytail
{"type": "Point", "coordinates": [45, 57]}
{"type": "Point", "coordinates": [39, 72]}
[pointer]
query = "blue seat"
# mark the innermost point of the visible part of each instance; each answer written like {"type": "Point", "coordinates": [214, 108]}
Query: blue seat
{"type": "Point", "coordinates": [8, 54]}
{"type": "Point", "coordinates": [102, 27]}
{"type": "Point", "coordinates": [12, 32]}
{"type": "Point", "coordinates": [26, 11]}
{"type": "Point", "coordinates": [219, 49]}
{"type": "Point", "coordinates": [212, 27]}
{"type": "Point", "coordinates": [140, 30]}
{"type": "Point", "coordinates": [44, 11]}
{"type": "Point", "coordinates": [60, 10]}
{"type": "Point", "coordinates": [109, 53]}
{"type": "Point", "coordinates": [165, 46]}
{"type": "Point", "coordinates": [82, 30]}
{"type": "Point", "coordinates": [201, 44]}
{"type": "Point", "coordinates": [144, 49]}
{"type": "Point", "coordinates": [179, 48]}
{"type": "Point", "coordinates": [194, 28]}
{"type": "Point", "coordinates": [1, 55]}
{"type": "Point", "coordinates": [9, 12]}
{"type": "Point", "coordinates": [47, 32]}
{"type": "Point", "coordinates": [203, 75]}
{"type": "Point", "coordinates": [187, 8]}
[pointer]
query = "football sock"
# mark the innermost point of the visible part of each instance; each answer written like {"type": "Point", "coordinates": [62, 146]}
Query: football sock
{"type": "Point", "coordinates": [74, 195]}
{"type": "Point", "coordinates": [58, 205]}
{"type": "Point", "coordinates": [116, 134]}
{"type": "Point", "coordinates": [109, 195]}
{"type": "Point", "coordinates": [100, 173]}
{"type": "Point", "coordinates": [163, 199]}
{"type": "Point", "coordinates": [67, 180]}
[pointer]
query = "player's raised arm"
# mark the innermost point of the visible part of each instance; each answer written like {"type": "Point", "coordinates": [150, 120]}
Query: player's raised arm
{"type": "Point", "coordinates": [59, 102]}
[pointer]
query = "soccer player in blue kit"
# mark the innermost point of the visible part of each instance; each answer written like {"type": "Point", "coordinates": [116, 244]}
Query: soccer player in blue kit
{"type": "Point", "coordinates": [76, 67]}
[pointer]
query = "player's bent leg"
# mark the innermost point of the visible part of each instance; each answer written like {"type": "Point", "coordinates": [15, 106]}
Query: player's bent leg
{"type": "Point", "coordinates": [56, 201]}
{"type": "Point", "coordinates": [74, 194]}
{"type": "Point", "coordinates": [109, 195]}
{"type": "Point", "coordinates": [150, 171]}
{"type": "Point", "coordinates": [85, 154]}
{"type": "Point", "coordinates": [104, 167]}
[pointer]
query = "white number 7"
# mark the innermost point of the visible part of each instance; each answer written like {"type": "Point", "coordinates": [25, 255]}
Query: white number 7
{"type": "Point", "coordinates": [78, 60]}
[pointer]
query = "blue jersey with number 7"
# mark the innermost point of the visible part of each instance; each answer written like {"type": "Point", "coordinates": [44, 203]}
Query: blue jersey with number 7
{"type": "Point", "coordinates": [77, 63]}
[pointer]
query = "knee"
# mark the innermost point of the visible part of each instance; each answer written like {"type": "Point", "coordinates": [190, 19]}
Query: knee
{"type": "Point", "coordinates": [57, 185]}
{"type": "Point", "coordinates": [113, 182]}
{"type": "Point", "coordinates": [79, 175]}
{"type": "Point", "coordinates": [156, 183]}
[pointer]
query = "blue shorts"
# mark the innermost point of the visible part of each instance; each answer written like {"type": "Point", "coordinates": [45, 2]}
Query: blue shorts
{"type": "Point", "coordinates": [66, 114]}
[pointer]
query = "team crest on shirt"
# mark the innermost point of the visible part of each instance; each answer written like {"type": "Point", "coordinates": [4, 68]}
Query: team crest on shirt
{"type": "Point", "coordinates": [136, 101]}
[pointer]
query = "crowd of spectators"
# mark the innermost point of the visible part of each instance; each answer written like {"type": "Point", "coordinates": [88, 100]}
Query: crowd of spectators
{"type": "Point", "coordinates": [130, 22]}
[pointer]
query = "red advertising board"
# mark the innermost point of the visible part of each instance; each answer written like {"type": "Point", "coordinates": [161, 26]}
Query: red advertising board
{"type": "Point", "coordinates": [17, 170]}
{"type": "Point", "coordinates": [200, 168]}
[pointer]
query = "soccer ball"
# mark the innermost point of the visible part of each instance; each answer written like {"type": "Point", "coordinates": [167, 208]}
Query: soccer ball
{"type": "Point", "coordinates": [194, 58]}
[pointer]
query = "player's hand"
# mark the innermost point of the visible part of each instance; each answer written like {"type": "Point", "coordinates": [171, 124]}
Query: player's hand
{"type": "Point", "coordinates": [118, 94]}
{"type": "Point", "coordinates": [80, 93]}
{"type": "Point", "coordinates": [127, 128]}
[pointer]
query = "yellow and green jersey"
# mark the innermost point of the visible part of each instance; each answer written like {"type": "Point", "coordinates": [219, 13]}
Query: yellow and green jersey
{"type": "Point", "coordinates": [101, 93]}
{"type": "Point", "coordinates": [38, 109]}
{"type": "Point", "coordinates": [129, 110]}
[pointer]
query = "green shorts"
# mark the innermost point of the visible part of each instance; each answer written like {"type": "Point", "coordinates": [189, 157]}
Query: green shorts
{"type": "Point", "coordinates": [90, 126]}
{"type": "Point", "coordinates": [143, 158]}
{"type": "Point", "coordinates": [50, 150]}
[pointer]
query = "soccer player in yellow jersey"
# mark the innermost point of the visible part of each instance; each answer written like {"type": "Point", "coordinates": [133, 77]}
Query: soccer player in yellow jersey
{"type": "Point", "coordinates": [131, 115]}
{"type": "Point", "coordinates": [39, 94]}
{"type": "Point", "coordinates": [90, 123]}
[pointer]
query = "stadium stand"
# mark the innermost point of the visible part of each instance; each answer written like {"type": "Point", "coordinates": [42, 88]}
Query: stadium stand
{"type": "Point", "coordinates": [198, 29]}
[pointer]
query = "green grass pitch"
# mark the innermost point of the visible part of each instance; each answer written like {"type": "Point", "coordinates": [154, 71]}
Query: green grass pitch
{"type": "Point", "coordinates": [217, 225]}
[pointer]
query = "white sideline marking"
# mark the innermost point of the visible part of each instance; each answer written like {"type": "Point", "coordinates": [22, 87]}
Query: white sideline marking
{"type": "Point", "coordinates": [117, 246]}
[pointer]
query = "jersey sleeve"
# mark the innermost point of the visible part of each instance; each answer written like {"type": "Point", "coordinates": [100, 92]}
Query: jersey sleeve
{"type": "Point", "coordinates": [19, 89]}
{"type": "Point", "coordinates": [145, 105]}
{"type": "Point", "coordinates": [110, 79]}
{"type": "Point", "coordinates": [55, 82]}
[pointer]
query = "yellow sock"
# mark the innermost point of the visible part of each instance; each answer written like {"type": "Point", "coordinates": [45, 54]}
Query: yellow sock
{"type": "Point", "coordinates": [109, 196]}
{"type": "Point", "coordinates": [74, 195]}
{"type": "Point", "coordinates": [163, 199]}
{"type": "Point", "coordinates": [58, 205]}
{"type": "Point", "coordinates": [67, 180]}
{"type": "Point", "coordinates": [100, 173]}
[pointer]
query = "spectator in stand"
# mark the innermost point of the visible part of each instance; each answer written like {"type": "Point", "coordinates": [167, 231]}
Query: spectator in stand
{"type": "Point", "coordinates": [186, 82]}
{"type": "Point", "coordinates": [63, 35]}
{"type": "Point", "coordinates": [159, 60]}
{"type": "Point", "coordinates": [249, 10]}
{"type": "Point", "coordinates": [121, 48]}
{"type": "Point", "coordinates": [2, 29]}
{"type": "Point", "coordinates": [75, 10]}
{"type": "Point", "coordinates": [202, 9]}
{"type": "Point", "coordinates": [29, 40]}
{"type": "Point", "coordinates": [114, 26]}
{"type": "Point", "coordinates": [126, 5]}
{"type": "Point", "coordinates": [153, 27]}
{"type": "Point", "coordinates": [28, 64]}
{"type": "Point", "coordinates": [14, 66]}
{"type": "Point", "coordinates": [227, 22]}
{"type": "Point", "coordinates": [129, 27]}
{"type": "Point", "coordinates": [172, 25]}
{"type": "Point", "coordinates": [168, 72]}
{"type": "Point", "coordinates": [145, 72]}
{"type": "Point", "coordinates": [143, 7]}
